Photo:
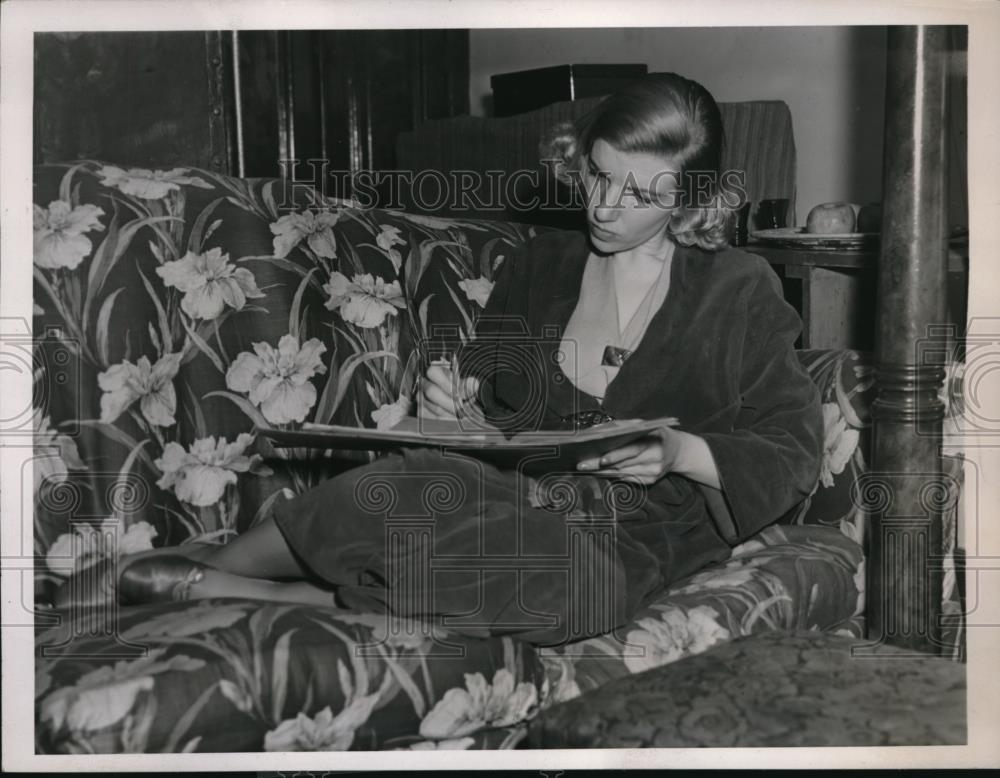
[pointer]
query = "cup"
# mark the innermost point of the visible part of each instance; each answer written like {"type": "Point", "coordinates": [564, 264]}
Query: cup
{"type": "Point", "coordinates": [772, 214]}
{"type": "Point", "coordinates": [740, 234]}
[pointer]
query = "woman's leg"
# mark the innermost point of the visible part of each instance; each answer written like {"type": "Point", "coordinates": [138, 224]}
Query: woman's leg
{"type": "Point", "coordinates": [260, 552]}
{"type": "Point", "coordinates": [249, 565]}
{"type": "Point", "coordinates": [217, 583]}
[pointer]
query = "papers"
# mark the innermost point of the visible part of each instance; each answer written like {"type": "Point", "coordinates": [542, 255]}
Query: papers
{"type": "Point", "coordinates": [532, 452]}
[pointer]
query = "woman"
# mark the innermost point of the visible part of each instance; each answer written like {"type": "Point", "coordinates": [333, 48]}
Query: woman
{"type": "Point", "coordinates": [649, 315]}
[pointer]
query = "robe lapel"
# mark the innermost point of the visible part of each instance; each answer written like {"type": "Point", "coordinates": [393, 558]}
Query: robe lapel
{"type": "Point", "coordinates": [555, 289]}
{"type": "Point", "coordinates": [652, 364]}
{"type": "Point", "coordinates": [553, 296]}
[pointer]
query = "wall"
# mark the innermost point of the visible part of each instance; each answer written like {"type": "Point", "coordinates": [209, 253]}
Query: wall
{"type": "Point", "coordinates": [833, 79]}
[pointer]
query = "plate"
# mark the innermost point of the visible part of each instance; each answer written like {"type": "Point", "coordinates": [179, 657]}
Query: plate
{"type": "Point", "coordinates": [798, 238]}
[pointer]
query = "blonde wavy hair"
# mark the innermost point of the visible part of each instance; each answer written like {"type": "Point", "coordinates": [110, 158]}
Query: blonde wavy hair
{"type": "Point", "coordinates": [669, 116]}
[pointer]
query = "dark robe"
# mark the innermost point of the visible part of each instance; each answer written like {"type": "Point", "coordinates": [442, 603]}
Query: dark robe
{"type": "Point", "coordinates": [718, 355]}
{"type": "Point", "coordinates": [444, 537]}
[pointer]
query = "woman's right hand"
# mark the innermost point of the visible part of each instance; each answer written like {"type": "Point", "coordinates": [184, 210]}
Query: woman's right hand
{"type": "Point", "coordinates": [440, 398]}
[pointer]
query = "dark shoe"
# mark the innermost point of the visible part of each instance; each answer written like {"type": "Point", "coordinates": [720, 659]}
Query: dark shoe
{"type": "Point", "coordinates": [161, 578]}
{"type": "Point", "coordinates": [89, 587]}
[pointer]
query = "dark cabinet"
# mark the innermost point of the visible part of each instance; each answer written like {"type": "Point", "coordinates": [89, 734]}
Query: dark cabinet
{"type": "Point", "coordinates": [243, 102]}
{"type": "Point", "coordinates": [526, 90]}
{"type": "Point", "coordinates": [136, 98]}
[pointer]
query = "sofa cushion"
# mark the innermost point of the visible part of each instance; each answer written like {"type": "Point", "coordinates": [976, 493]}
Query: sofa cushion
{"type": "Point", "coordinates": [772, 689]}
{"type": "Point", "coordinates": [237, 675]}
{"type": "Point", "coordinates": [846, 384]}
{"type": "Point", "coordinates": [759, 144]}
{"type": "Point", "coordinates": [784, 578]}
{"type": "Point", "coordinates": [183, 308]}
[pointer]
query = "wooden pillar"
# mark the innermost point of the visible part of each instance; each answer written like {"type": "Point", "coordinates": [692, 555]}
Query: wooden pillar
{"type": "Point", "coordinates": [903, 492]}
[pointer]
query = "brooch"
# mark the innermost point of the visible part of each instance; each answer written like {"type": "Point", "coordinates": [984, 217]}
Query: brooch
{"type": "Point", "coordinates": [614, 356]}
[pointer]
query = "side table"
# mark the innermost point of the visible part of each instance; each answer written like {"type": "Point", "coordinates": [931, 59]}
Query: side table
{"type": "Point", "coordinates": [834, 292]}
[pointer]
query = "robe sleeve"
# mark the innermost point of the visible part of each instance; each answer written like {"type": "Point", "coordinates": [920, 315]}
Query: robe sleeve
{"type": "Point", "coordinates": [504, 316]}
{"type": "Point", "coordinates": [770, 460]}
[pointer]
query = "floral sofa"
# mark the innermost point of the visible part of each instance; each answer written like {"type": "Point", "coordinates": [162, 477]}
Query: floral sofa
{"type": "Point", "coordinates": [175, 312]}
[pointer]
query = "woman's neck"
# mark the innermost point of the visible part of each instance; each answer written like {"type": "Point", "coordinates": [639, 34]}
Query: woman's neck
{"type": "Point", "coordinates": [653, 253]}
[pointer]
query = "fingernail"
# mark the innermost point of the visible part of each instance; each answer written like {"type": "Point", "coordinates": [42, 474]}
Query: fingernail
{"type": "Point", "coordinates": [585, 466]}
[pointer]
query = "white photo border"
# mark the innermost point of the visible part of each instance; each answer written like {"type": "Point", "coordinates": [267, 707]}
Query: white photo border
{"type": "Point", "coordinates": [21, 18]}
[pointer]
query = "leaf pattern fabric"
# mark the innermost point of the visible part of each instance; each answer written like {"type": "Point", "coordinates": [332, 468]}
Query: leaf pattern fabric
{"type": "Point", "coordinates": [249, 676]}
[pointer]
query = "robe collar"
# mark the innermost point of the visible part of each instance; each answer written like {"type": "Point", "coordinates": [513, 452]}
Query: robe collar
{"type": "Point", "coordinates": [552, 301]}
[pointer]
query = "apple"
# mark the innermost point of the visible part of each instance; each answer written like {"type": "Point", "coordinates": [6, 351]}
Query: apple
{"type": "Point", "coordinates": [870, 218]}
{"type": "Point", "coordinates": [830, 219]}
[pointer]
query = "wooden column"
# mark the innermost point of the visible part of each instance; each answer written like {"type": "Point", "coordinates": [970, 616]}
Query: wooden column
{"type": "Point", "coordinates": [905, 491]}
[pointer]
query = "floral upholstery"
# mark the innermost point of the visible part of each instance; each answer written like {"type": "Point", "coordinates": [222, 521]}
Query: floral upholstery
{"type": "Point", "coordinates": [183, 308]}
{"type": "Point", "coordinates": [174, 312]}
{"type": "Point", "coordinates": [279, 677]}
{"type": "Point", "coordinates": [785, 578]}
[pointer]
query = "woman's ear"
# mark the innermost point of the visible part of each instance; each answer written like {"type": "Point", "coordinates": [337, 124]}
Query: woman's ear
{"type": "Point", "coordinates": [559, 154]}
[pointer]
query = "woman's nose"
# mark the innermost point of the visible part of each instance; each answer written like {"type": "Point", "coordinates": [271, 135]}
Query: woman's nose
{"type": "Point", "coordinates": [605, 213]}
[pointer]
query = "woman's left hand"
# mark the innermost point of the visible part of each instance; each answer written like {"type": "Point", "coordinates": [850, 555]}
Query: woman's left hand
{"type": "Point", "coordinates": [645, 461]}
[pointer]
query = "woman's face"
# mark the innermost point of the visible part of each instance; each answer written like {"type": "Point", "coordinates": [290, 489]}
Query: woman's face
{"type": "Point", "coordinates": [630, 197]}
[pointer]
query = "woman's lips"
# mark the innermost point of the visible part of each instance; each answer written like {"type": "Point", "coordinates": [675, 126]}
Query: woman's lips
{"type": "Point", "coordinates": [601, 233]}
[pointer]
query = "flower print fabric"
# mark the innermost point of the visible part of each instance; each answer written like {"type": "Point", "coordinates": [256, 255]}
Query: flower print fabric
{"type": "Point", "coordinates": [86, 545]}
{"type": "Point", "coordinates": [324, 732]}
{"type": "Point", "coordinates": [316, 228]}
{"type": "Point", "coordinates": [152, 385]}
{"type": "Point", "coordinates": [104, 696]}
{"type": "Point", "coordinates": [200, 475]}
{"type": "Point", "coordinates": [364, 300]}
{"type": "Point", "coordinates": [209, 282]}
{"type": "Point", "coordinates": [463, 711]}
{"type": "Point", "coordinates": [148, 184]}
{"type": "Point", "coordinates": [277, 380]}
{"type": "Point", "coordinates": [677, 633]}
{"type": "Point", "coordinates": [54, 454]}
{"type": "Point", "coordinates": [386, 239]}
{"type": "Point", "coordinates": [839, 443]}
{"type": "Point", "coordinates": [194, 466]}
{"type": "Point", "coordinates": [59, 234]}
{"type": "Point", "coordinates": [477, 289]}
{"type": "Point", "coordinates": [389, 415]}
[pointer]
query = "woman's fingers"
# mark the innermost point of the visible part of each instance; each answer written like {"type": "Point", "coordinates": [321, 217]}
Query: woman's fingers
{"type": "Point", "coordinates": [437, 402]}
{"type": "Point", "coordinates": [468, 392]}
{"type": "Point", "coordinates": [644, 451]}
{"type": "Point", "coordinates": [440, 376]}
{"type": "Point", "coordinates": [644, 474]}
{"type": "Point", "coordinates": [437, 389]}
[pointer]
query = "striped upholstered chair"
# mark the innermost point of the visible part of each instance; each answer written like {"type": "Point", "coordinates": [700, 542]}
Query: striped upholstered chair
{"type": "Point", "coordinates": [759, 144]}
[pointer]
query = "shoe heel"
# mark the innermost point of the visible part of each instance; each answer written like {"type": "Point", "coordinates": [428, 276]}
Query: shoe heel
{"type": "Point", "coordinates": [163, 578]}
